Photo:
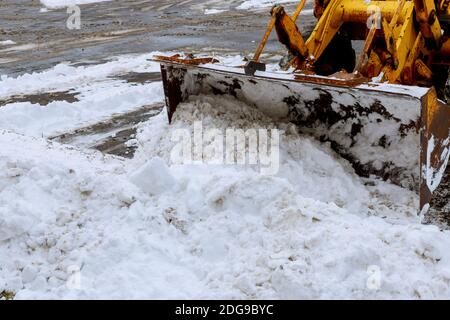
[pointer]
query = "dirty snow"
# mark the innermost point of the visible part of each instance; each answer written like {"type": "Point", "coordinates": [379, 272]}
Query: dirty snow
{"type": "Point", "coordinates": [254, 4]}
{"type": "Point", "coordinates": [6, 42]}
{"type": "Point", "coordinates": [434, 177]}
{"type": "Point", "coordinates": [78, 224]}
{"type": "Point", "coordinates": [214, 11]}
{"type": "Point", "coordinates": [66, 3]}
{"type": "Point", "coordinates": [218, 6]}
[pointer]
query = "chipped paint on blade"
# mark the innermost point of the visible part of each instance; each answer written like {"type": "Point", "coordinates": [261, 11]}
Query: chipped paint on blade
{"type": "Point", "coordinates": [435, 147]}
{"type": "Point", "coordinates": [378, 128]}
{"type": "Point", "coordinates": [434, 175]}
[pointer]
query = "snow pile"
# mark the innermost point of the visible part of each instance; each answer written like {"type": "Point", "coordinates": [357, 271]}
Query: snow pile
{"type": "Point", "coordinates": [313, 231]}
{"type": "Point", "coordinates": [66, 3]}
{"type": "Point", "coordinates": [313, 169]}
{"type": "Point", "coordinates": [78, 224]}
{"type": "Point", "coordinates": [64, 210]}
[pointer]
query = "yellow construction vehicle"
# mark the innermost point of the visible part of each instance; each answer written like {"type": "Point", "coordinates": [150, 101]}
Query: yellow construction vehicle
{"type": "Point", "coordinates": [384, 107]}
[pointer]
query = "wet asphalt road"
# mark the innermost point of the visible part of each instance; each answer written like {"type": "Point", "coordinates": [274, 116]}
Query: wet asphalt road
{"type": "Point", "coordinates": [122, 27]}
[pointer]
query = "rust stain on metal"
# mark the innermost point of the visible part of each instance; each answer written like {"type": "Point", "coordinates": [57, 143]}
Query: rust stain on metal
{"type": "Point", "coordinates": [335, 80]}
{"type": "Point", "coordinates": [188, 61]}
{"type": "Point", "coordinates": [172, 90]}
{"type": "Point", "coordinates": [435, 125]}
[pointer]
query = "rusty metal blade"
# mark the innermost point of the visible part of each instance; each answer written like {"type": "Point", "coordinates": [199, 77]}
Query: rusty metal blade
{"type": "Point", "coordinates": [435, 146]}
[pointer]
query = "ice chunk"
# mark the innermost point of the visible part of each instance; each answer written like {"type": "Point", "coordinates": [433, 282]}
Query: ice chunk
{"type": "Point", "coordinates": [154, 177]}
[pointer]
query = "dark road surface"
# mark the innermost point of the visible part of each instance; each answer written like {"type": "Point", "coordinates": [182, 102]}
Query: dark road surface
{"type": "Point", "coordinates": [121, 27]}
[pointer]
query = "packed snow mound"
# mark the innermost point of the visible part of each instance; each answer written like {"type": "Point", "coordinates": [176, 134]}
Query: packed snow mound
{"type": "Point", "coordinates": [65, 210]}
{"type": "Point", "coordinates": [83, 225]}
{"type": "Point", "coordinates": [313, 169]}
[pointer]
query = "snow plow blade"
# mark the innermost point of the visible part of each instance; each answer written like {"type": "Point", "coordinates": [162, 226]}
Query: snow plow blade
{"type": "Point", "coordinates": [399, 133]}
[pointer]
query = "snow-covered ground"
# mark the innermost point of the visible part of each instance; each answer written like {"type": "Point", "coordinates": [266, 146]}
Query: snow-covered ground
{"type": "Point", "coordinates": [244, 4]}
{"type": "Point", "coordinates": [99, 95]}
{"type": "Point", "coordinates": [6, 42]}
{"type": "Point", "coordinates": [253, 4]}
{"type": "Point", "coordinates": [75, 223]}
{"type": "Point", "coordinates": [64, 3]}
{"type": "Point", "coordinates": [220, 6]}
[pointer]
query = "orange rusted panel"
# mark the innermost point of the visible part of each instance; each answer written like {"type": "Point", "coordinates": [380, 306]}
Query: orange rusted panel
{"type": "Point", "coordinates": [435, 146]}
